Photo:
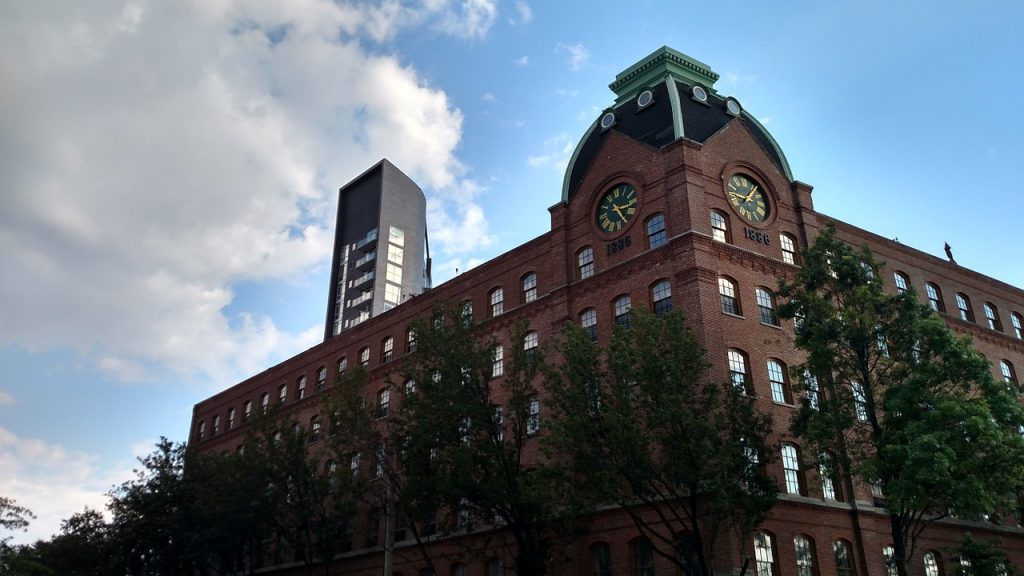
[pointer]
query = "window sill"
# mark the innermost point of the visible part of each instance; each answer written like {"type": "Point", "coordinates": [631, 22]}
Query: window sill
{"type": "Point", "coordinates": [741, 317]}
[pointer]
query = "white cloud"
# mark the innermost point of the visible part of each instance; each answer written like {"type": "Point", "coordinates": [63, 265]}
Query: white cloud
{"type": "Point", "coordinates": [577, 55]}
{"type": "Point", "coordinates": [522, 61]}
{"type": "Point", "coordinates": [733, 80]}
{"type": "Point", "coordinates": [53, 482]}
{"type": "Point", "coordinates": [456, 220]}
{"type": "Point", "coordinates": [140, 183]}
{"type": "Point", "coordinates": [555, 153]}
{"type": "Point", "coordinates": [6, 399]}
{"type": "Point", "coordinates": [489, 97]}
{"type": "Point", "coordinates": [524, 14]}
{"type": "Point", "coordinates": [566, 92]}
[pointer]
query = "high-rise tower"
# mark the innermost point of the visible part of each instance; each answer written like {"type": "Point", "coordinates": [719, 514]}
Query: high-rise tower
{"type": "Point", "coordinates": [381, 255]}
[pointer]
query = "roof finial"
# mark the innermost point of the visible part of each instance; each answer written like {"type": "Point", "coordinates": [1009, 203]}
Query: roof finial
{"type": "Point", "coordinates": [949, 253]}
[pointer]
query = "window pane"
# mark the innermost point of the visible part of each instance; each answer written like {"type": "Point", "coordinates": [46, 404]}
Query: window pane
{"type": "Point", "coordinates": [586, 262]}
{"type": "Point", "coordinates": [656, 231]}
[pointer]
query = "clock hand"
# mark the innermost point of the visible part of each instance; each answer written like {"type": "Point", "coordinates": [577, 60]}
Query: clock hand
{"type": "Point", "coordinates": [753, 189]}
{"type": "Point", "coordinates": [617, 211]}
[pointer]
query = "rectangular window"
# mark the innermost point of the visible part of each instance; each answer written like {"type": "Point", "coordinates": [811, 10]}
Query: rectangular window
{"type": "Point", "coordinates": [392, 293]}
{"type": "Point", "coordinates": [532, 416]}
{"type": "Point", "coordinates": [498, 361]}
{"type": "Point", "coordinates": [497, 302]}
{"type": "Point", "coordinates": [396, 236]}
{"type": "Point", "coordinates": [586, 262]}
{"type": "Point", "coordinates": [394, 273]}
{"type": "Point", "coordinates": [395, 254]}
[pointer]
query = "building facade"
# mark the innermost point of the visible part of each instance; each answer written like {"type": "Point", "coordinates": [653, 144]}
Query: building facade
{"type": "Point", "coordinates": [677, 198]}
{"type": "Point", "coordinates": [381, 253]}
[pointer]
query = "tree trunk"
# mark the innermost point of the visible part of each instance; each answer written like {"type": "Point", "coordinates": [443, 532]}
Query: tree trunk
{"type": "Point", "coordinates": [899, 549]}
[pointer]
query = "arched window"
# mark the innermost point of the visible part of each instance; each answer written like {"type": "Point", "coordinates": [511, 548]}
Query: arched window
{"type": "Point", "coordinates": [827, 472]}
{"type": "Point", "coordinates": [720, 227]}
{"type": "Point", "coordinates": [793, 473]}
{"type": "Point", "coordinates": [963, 304]}
{"type": "Point", "coordinates": [643, 557]}
{"type": "Point", "coordinates": [779, 380]}
{"type": "Point", "coordinates": [588, 320]}
{"type": "Point", "coordinates": [992, 317]}
{"type": "Point", "coordinates": [201, 431]}
{"type": "Point", "coordinates": [410, 387]}
{"type": "Point", "coordinates": [766, 306]}
{"type": "Point", "coordinates": [601, 554]}
{"type": "Point", "coordinates": [265, 402]}
{"type": "Point", "coordinates": [1018, 325]}
{"type": "Point", "coordinates": [860, 401]}
{"type": "Point", "coordinates": [497, 300]}
{"type": "Point", "coordinates": [300, 388]}
{"type": "Point", "coordinates": [843, 558]}
{"type": "Point", "coordinates": [739, 371]}
{"type": "Point", "coordinates": [342, 366]}
{"type": "Point", "coordinates": [466, 312]}
{"type": "Point", "coordinates": [314, 428]}
{"type": "Point", "coordinates": [585, 262]}
{"type": "Point", "coordinates": [656, 231]}
{"type": "Point", "coordinates": [1009, 374]}
{"type": "Point", "coordinates": [321, 378]}
{"type": "Point", "coordinates": [216, 425]}
{"type": "Point", "coordinates": [902, 282]}
{"type": "Point", "coordinates": [621, 307]}
{"type": "Point", "coordinates": [661, 298]}
{"type": "Point", "coordinates": [804, 548]}
{"type": "Point", "coordinates": [247, 411]}
{"type": "Point", "coordinates": [231, 418]}
{"type": "Point", "coordinates": [730, 300]}
{"type": "Point", "coordinates": [764, 555]}
{"type": "Point", "coordinates": [788, 243]}
{"type": "Point", "coordinates": [383, 402]}
{"type": "Point", "coordinates": [364, 356]}
{"type": "Point", "coordinates": [529, 283]}
{"type": "Point", "coordinates": [890, 561]}
{"type": "Point", "coordinates": [387, 349]}
{"type": "Point", "coordinates": [282, 393]}
{"type": "Point", "coordinates": [931, 564]}
{"type": "Point", "coordinates": [410, 340]}
{"type": "Point", "coordinates": [934, 294]}
{"type": "Point", "coordinates": [530, 346]}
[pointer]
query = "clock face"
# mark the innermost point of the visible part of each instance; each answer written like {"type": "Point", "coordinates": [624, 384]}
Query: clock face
{"type": "Point", "coordinates": [748, 197]}
{"type": "Point", "coordinates": [617, 208]}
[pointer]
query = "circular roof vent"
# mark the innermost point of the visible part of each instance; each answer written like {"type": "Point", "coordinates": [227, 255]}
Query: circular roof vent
{"type": "Point", "coordinates": [732, 107]}
{"type": "Point", "coordinates": [645, 99]}
{"type": "Point", "coordinates": [608, 120]}
{"type": "Point", "coordinates": [699, 94]}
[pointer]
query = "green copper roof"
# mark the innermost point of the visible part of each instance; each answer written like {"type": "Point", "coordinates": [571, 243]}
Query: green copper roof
{"type": "Point", "coordinates": [661, 63]}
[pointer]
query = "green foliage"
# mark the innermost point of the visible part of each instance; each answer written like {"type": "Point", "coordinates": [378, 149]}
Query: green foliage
{"type": "Point", "coordinates": [466, 438]}
{"type": "Point", "coordinates": [641, 423]}
{"type": "Point", "coordinates": [901, 401]}
{"type": "Point", "coordinates": [983, 558]}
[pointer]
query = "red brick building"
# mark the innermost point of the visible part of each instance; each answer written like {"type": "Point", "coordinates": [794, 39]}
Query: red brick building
{"type": "Point", "coordinates": [676, 196]}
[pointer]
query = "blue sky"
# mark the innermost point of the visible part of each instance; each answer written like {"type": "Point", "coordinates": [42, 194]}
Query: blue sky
{"type": "Point", "coordinates": [168, 171]}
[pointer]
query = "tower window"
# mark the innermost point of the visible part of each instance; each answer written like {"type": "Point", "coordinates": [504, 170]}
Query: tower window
{"type": "Point", "coordinates": [739, 371]}
{"type": "Point", "coordinates": [585, 262]}
{"type": "Point", "coordinates": [779, 382]}
{"type": "Point", "coordinates": [791, 466]}
{"type": "Point", "coordinates": [788, 244]}
{"type": "Point", "coordinates": [661, 298]}
{"type": "Point", "coordinates": [622, 307]}
{"type": "Point", "coordinates": [656, 231]}
{"type": "Point", "coordinates": [766, 307]}
{"type": "Point", "coordinates": [727, 291]}
{"type": "Point", "coordinates": [720, 227]}
{"type": "Point", "coordinates": [588, 320]}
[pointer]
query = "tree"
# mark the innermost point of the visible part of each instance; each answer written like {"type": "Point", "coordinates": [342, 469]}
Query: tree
{"type": "Point", "coordinates": [902, 403]}
{"type": "Point", "coordinates": [82, 548]}
{"type": "Point", "coordinates": [150, 524]}
{"type": "Point", "coordinates": [644, 426]}
{"type": "Point", "coordinates": [13, 518]}
{"type": "Point", "coordinates": [981, 558]}
{"type": "Point", "coordinates": [309, 499]}
{"type": "Point", "coordinates": [467, 437]}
